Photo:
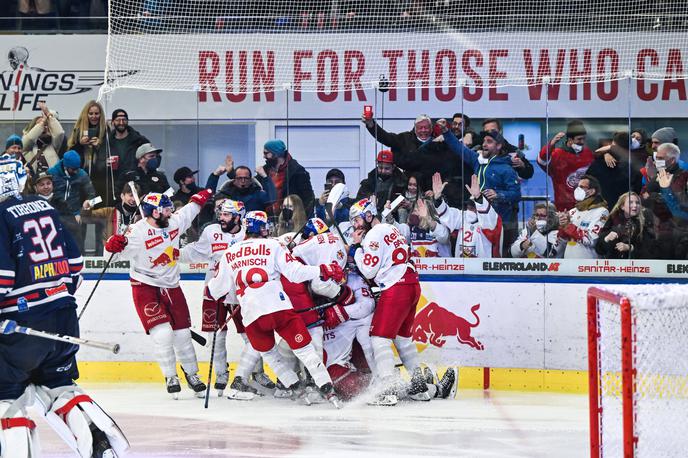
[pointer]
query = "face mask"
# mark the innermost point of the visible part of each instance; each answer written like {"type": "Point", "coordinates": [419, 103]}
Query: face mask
{"type": "Point", "coordinates": [129, 208]}
{"type": "Point", "coordinates": [153, 164]}
{"type": "Point", "coordinates": [579, 194]}
{"type": "Point", "coordinates": [287, 213]}
{"type": "Point", "coordinates": [272, 162]}
{"type": "Point", "coordinates": [541, 224]}
{"type": "Point", "coordinates": [660, 164]}
{"type": "Point", "coordinates": [577, 148]}
{"type": "Point", "coordinates": [470, 216]}
{"type": "Point", "coordinates": [482, 160]}
{"type": "Point", "coordinates": [635, 144]}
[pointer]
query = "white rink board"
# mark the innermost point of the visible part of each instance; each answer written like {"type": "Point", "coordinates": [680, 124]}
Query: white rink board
{"type": "Point", "coordinates": [526, 325]}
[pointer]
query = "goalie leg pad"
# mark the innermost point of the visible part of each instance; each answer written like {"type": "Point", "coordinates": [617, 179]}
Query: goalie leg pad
{"type": "Point", "coordinates": [18, 435]}
{"type": "Point", "coordinates": [163, 346]}
{"type": "Point", "coordinates": [71, 412]}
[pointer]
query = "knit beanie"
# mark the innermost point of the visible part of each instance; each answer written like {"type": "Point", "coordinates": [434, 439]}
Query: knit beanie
{"type": "Point", "coordinates": [276, 147]}
{"type": "Point", "coordinates": [71, 160]}
{"type": "Point", "coordinates": [665, 135]}
{"type": "Point", "coordinates": [13, 139]}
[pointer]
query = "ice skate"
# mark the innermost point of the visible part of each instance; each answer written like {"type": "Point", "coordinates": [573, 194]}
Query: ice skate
{"type": "Point", "coordinates": [194, 382]}
{"type": "Point", "coordinates": [261, 379]}
{"type": "Point", "coordinates": [448, 384]}
{"type": "Point", "coordinates": [328, 393]}
{"type": "Point", "coordinates": [429, 376]}
{"type": "Point", "coordinates": [101, 444]}
{"type": "Point", "coordinates": [241, 391]}
{"type": "Point", "coordinates": [299, 393]}
{"type": "Point", "coordinates": [418, 389]}
{"type": "Point", "coordinates": [281, 391]}
{"type": "Point", "coordinates": [173, 386]}
{"type": "Point", "coordinates": [221, 383]}
{"type": "Point", "coordinates": [388, 395]}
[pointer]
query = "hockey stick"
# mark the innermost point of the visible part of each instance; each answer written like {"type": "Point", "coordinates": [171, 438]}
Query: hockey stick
{"type": "Point", "coordinates": [112, 255]}
{"type": "Point", "coordinates": [10, 327]}
{"type": "Point", "coordinates": [212, 357]}
{"type": "Point", "coordinates": [316, 307]}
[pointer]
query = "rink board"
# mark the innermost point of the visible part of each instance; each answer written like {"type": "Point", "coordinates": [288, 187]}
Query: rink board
{"type": "Point", "coordinates": [507, 325]}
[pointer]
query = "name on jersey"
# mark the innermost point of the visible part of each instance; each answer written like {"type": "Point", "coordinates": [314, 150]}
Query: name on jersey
{"type": "Point", "coordinates": [395, 239]}
{"type": "Point", "coordinates": [29, 208]}
{"type": "Point", "coordinates": [247, 251]}
{"type": "Point", "coordinates": [50, 269]}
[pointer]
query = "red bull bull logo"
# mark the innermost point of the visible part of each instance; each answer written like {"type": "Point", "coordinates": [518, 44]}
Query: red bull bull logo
{"type": "Point", "coordinates": [434, 324]}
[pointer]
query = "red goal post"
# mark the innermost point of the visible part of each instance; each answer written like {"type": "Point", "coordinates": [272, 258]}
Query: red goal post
{"type": "Point", "coordinates": [638, 371]}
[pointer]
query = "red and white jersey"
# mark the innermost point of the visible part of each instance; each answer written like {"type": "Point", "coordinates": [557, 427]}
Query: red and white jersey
{"type": "Point", "coordinates": [321, 249]}
{"type": "Point", "coordinates": [338, 342]}
{"type": "Point", "coordinates": [251, 269]}
{"type": "Point", "coordinates": [542, 245]}
{"type": "Point", "coordinates": [475, 239]}
{"type": "Point", "coordinates": [588, 224]}
{"type": "Point", "coordinates": [153, 252]}
{"type": "Point", "coordinates": [383, 255]}
{"type": "Point", "coordinates": [210, 246]}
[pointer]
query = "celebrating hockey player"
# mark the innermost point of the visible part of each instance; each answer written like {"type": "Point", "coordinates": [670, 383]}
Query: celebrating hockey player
{"type": "Point", "coordinates": [152, 246]}
{"type": "Point", "coordinates": [381, 253]}
{"type": "Point", "coordinates": [39, 273]}
{"type": "Point", "coordinates": [251, 270]}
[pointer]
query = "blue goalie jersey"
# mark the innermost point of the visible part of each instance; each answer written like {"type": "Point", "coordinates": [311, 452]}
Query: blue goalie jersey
{"type": "Point", "coordinates": [40, 262]}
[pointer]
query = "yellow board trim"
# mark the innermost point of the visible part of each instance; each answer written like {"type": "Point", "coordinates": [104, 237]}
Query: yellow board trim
{"type": "Point", "coordinates": [501, 379]}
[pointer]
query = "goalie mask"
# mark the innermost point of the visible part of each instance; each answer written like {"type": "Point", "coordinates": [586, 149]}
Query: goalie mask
{"type": "Point", "coordinates": [257, 223]}
{"type": "Point", "coordinates": [12, 177]}
{"type": "Point", "coordinates": [229, 214]}
{"type": "Point", "coordinates": [314, 226]}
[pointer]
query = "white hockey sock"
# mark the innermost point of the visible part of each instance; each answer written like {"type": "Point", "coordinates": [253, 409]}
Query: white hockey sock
{"type": "Point", "coordinates": [384, 358]}
{"type": "Point", "coordinates": [247, 362]}
{"type": "Point", "coordinates": [315, 366]}
{"type": "Point", "coordinates": [163, 348]}
{"type": "Point", "coordinates": [363, 339]}
{"type": "Point", "coordinates": [317, 334]}
{"type": "Point", "coordinates": [220, 355]}
{"type": "Point", "coordinates": [407, 352]}
{"type": "Point", "coordinates": [183, 346]}
{"type": "Point", "coordinates": [282, 370]}
{"type": "Point", "coordinates": [287, 354]}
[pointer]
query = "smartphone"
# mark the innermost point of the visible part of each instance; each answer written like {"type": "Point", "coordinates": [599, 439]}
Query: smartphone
{"type": "Point", "coordinates": [92, 132]}
{"type": "Point", "coordinates": [368, 112]}
{"type": "Point", "coordinates": [521, 142]}
{"type": "Point", "coordinates": [328, 186]}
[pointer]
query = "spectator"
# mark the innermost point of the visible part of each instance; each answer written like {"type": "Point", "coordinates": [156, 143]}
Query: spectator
{"type": "Point", "coordinates": [119, 216]}
{"type": "Point", "coordinates": [123, 144]}
{"type": "Point", "coordinates": [427, 237]}
{"type": "Point", "coordinates": [524, 169]}
{"type": "Point", "coordinates": [287, 175]}
{"type": "Point", "coordinates": [88, 139]}
{"type": "Point", "coordinates": [479, 226]}
{"type": "Point", "coordinates": [184, 177]}
{"type": "Point", "coordinates": [385, 181]}
{"type": "Point", "coordinates": [42, 141]}
{"type": "Point", "coordinates": [678, 209]}
{"type": "Point", "coordinates": [580, 226]}
{"type": "Point", "coordinates": [539, 238]}
{"type": "Point", "coordinates": [146, 175]}
{"type": "Point", "coordinates": [410, 197]}
{"type": "Point", "coordinates": [72, 184]}
{"type": "Point", "coordinates": [566, 163]}
{"type": "Point", "coordinates": [245, 188]}
{"type": "Point", "coordinates": [498, 180]}
{"type": "Point", "coordinates": [43, 187]}
{"type": "Point", "coordinates": [613, 175]}
{"type": "Point", "coordinates": [405, 144]}
{"type": "Point", "coordinates": [341, 214]}
{"type": "Point", "coordinates": [461, 126]}
{"type": "Point", "coordinates": [640, 145]}
{"type": "Point", "coordinates": [13, 147]}
{"type": "Point", "coordinates": [293, 215]}
{"type": "Point", "coordinates": [629, 231]}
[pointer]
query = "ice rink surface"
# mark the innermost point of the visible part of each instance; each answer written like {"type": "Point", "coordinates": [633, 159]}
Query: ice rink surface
{"type": "Point", "coordinates": [475, 424]}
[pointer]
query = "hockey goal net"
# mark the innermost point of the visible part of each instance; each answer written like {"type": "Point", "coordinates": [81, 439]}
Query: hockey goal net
{"type": "Point", "coordinates": [638, 369]}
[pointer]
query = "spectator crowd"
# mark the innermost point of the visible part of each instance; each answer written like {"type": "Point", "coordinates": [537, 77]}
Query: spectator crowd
{"type": "Point", "coordinates": [450, 189]}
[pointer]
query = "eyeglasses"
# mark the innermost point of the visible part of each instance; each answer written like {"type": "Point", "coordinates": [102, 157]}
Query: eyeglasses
{"type": "Point", "coordinates": [242, 178]}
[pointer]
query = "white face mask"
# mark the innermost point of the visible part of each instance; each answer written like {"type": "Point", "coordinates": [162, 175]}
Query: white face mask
{"type": "Point", "coordinates": [659, 163]}
{"type": "Point", "coordinates": [635, 144]}
{"type": "Point", "coordinates": [579, 194]}
{"type": "Point", "coordinates": [540, 224]}
{"type": "Point", "coordinates": [470, 217]}
{"type": "Point", "coordinates": [577, 148]}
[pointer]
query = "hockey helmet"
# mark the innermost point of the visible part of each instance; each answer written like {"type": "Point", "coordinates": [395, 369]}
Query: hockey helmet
{"type": "Point", "coordinates": [256, 222]}
{"type": "Point", "coordinates": [314, 226]}
{"type": "Point", "coordinates": [155, 201]}
{"type": "Point", "coordinates": [360, 208]}
{"type": "Point", "coordinates": [234, 207]}
{"type": "Point", "coordinates": [12, 177]}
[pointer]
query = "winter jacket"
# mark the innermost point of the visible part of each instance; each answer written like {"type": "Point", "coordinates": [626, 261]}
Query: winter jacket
{"type": "Point", "coordinates": [642, 245]}
{"type": "Point", "coordinates": [614, 181]}
{"type": "Point", "coordinates": [72, 189]}
{"type": "Point", "coordinates": [49, 156]}
{"type": "Point", "coordinates": [125, 149]}
{"type": "Point", "coordinates": [383, 190]}
{"type": "Point", "coordinates": [154, 181]}
{"type": "Point", "coordinates": [255, 198]}
{"type": "Point", "coordinates": [297, 181]}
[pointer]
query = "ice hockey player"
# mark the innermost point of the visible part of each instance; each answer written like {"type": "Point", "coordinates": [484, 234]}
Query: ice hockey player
{"type": "Point", "coordinates": [381, 253]}
{"type": "Point", "coordinates": [39, 273]}
{"type": "Point", "coordinates": [152, 247]}
{"type": "Point", "coordinates": [251, 270]}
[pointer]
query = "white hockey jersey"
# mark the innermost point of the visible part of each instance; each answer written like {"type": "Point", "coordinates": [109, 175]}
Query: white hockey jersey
{"type": "Point", "coordinates": [321, 249]}
{"type": "Point", "coordinates": [153, 252]}
{"type": "Point", "coordinates": [338, 342]}
{"type": "Point", "coordinates": [542, 245]}
{"type": "Point", "coordinates": [210, 246]}
{"type": "Point", "coordinates": [251, 269]}
{"type": "Point", "coordinates": [581, 241]}
{"type": "Point", "coordinates": [383, 255]}
{"type": "Point", "coordinates": [477, 239]}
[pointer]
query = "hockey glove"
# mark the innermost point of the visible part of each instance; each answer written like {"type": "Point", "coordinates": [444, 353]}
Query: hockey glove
{"type": "Point", "coordinates": [201, 197]}
{"type": "Point", "coordinates": [335, 315]}
{"type": "Point", "coordinates": [116, 243]}
{"type": "Point", "coordinates": [331, 271]}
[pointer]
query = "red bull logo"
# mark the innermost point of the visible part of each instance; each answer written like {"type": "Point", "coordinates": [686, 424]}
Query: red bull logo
{"type": "Point", "coordinates": [434, 324]}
